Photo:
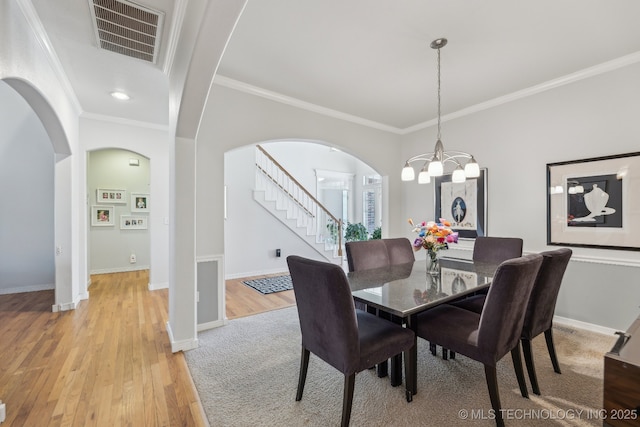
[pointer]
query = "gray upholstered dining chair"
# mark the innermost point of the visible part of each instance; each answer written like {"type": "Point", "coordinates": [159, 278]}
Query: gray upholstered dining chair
{"type": "Point", "coordinates": [495, 250]}
{"type": "Point", "coordinates": [487, 337]}
{"type": "Point", "coordinates": [350, 340]}
{"type": "Point", "coordinates": [400, 250]}
{"type": "Point", "coordinates": [489, 250]}
{"type": "Point", "coordinates": [367, 254]}
{"type": "Point", "coordinates": [540, 308]}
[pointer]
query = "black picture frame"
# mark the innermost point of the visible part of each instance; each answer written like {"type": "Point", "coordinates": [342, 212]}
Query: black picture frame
{"type": "Point", "coordinates": [595, 202]}
{"type": "Point", "coordinates": [473, 193]}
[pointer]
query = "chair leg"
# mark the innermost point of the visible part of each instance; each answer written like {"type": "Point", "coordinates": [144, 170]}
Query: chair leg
{"type": "Point", "coordinates": [432, 348]}
{"type": "Point", "coordinates": [531, 369]}
{"type": "Point", "coordinates": [396, 370]}
{"type": "Point", "coordinates": [448, 354]}
{"type": "Point", "coordinates": [304, 365]}
{"type": "Point", "coordinates": [517, 365]}
{"type": "Point", "coordinates": [409, 375]}
{"type": "Point", "coordinates": [492, 383]}
{"type": "Point", "coordinates": [347, 400]}
{"type": "Point", "coordinates": [552, 350]}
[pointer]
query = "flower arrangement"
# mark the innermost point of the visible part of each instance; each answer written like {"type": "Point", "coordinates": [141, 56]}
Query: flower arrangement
{"type": "Point", "coordinates": [433, 236]}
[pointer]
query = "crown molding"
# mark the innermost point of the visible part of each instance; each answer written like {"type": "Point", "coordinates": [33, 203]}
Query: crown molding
{"type": "Point", "coordinates": [586, 73]}
{"type": "Point", "coordinates": [294, 102]}
{"type": "Point", "coordinates": [32, 18]}
{"type": "Point", "coordinates": [551, 84]}
{"type": "Point", "coordinates": [123, 121]}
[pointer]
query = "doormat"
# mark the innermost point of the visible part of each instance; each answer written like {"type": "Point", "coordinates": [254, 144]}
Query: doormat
{"type": "Point", "coordinates": [269, 285]}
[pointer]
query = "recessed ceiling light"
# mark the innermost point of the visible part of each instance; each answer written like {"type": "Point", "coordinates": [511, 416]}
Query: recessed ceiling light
{"type": "Point", "coordinates": [120, 95]}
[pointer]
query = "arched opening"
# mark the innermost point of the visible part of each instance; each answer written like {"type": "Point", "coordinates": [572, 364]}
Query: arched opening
{"type": "Point", "coordinates": [31, 143]}
{"type": "Point", "coordinates": [253, 232]}
{"type": "Point", "coordinates": [120, 202]}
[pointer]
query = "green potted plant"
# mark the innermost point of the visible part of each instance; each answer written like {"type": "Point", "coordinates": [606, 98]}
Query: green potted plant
{"type": "Point", "coordinates": [377, 234]}
{"type": "Point", "coordinates": [355, 232]}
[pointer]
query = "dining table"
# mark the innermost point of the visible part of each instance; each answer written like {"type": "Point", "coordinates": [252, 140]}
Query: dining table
{"type": "Point", "coordinates": [400, 292]}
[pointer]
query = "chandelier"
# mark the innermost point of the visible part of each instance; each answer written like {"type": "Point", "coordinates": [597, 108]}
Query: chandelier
{"type": "Point", "coordinates": [464, 165]}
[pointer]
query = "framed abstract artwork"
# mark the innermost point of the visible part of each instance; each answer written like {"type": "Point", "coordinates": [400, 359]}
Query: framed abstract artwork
{"type": "Point", "coordinates": [595, 203]}
{"type": "Point", "coordinates": [463, 204]}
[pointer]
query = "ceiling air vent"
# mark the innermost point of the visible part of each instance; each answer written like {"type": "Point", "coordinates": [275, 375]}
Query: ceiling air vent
{"type": "Point", "coordinates": [127, 28]}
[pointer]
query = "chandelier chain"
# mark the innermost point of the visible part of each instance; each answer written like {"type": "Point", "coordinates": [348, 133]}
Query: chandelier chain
{"type": "Point", "coordinates": [439, 135]}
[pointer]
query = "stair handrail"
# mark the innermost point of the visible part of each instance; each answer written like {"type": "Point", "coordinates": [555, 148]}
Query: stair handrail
{"type": "Point", "coordinates": [304, 190]}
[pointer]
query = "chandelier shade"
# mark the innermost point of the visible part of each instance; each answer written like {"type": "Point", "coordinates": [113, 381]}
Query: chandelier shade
{"type": "Point", "coordinates": [434, 163]}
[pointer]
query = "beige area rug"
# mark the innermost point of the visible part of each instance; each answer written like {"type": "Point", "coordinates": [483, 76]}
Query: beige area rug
{"type": "Point", "coordinates": [246, 374]}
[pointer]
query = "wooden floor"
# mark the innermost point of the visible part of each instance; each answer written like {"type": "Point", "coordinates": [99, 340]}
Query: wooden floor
{"type": "Point", "coordinates": [243, 300]}
{"type": "Point", "coordinates": [107, 363]}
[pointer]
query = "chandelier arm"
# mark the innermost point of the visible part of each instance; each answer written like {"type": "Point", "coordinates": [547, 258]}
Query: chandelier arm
{"type": "Point", "coordinates": [420, 157]}
{"type": "Point", "coordinates": [457, 155]}
{"type": "Point", "coordinates": [448, 156]}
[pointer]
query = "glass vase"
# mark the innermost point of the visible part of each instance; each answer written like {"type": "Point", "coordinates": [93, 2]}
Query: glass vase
{"type": "Point", "coordinates": [433, 263]}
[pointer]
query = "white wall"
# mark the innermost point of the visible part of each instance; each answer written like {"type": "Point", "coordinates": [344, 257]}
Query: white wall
{"type": "Point", "coordinates": [594, 117]}
{"type": "Point", "coordinates": [110, 247]}
{"type": "Point", "coordinates": [26, 206]}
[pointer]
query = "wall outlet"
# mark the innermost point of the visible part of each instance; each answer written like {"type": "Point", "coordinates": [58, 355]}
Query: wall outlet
{"type": "Point", "coordinates": [132, 259]}
{"type": "Point", "coordinates": [3, 412]}
{"type": "Point", "coordinates": [278, 253]}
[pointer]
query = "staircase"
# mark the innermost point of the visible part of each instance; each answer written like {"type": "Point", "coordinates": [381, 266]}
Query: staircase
{"type": "Point", "coordinates": [287, 200]}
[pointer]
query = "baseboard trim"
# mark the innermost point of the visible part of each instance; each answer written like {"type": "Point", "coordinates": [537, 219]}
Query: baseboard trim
{"type": "Point", "coordinates": [157, 286]}
{"type": "Point", "coordinates": [119, 269]}
{"type": "Point", "coordinates": [183, 345]}
{"type": "Point", "coordinates": [255, 273]}
{"type": "Point", "coordinates": [30, 288]}
{"type": "Point", "coordinates": [211, 325]}
{"type": "Point", "coordinates": [66, 306]}
{"type": "Point", "coordinates": [572, 323]}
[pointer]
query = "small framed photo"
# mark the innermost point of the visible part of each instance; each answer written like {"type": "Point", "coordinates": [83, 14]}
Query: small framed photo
{"type": "Point", "coordinates": [111, 196]}
{"type": "Point", "coordinates": [594, 203]}
{"type": "Point", "coordinates": [102, 216]}
{"type": "Point", "coordinates": [139, 202]}
{"type": "Point", "coordinates": [133, 222]}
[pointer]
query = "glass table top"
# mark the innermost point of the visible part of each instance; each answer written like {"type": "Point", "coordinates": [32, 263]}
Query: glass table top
{"type": "Point", "coordinates": [406, 289]}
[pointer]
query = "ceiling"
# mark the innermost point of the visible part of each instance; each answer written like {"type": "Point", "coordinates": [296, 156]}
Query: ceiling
{"type": "Point", "coordinates": [369, 59]}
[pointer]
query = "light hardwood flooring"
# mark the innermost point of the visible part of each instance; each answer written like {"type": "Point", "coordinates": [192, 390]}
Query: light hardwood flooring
{"type": "Point", "coordinates": [107, 363]}
{"type": "Point", "coordinates": [244, 301]}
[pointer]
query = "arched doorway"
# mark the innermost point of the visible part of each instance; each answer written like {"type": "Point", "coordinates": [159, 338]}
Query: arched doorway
{"type": "Point", "coordinates": [119, 201]}
{"type": "Point", "coordinates": [32, 143]}
{"type": "Point", "coordinates": [253, 233]}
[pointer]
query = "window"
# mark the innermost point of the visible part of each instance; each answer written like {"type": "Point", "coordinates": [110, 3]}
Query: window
{"type": "Point", "coordinates": [371, 202]}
